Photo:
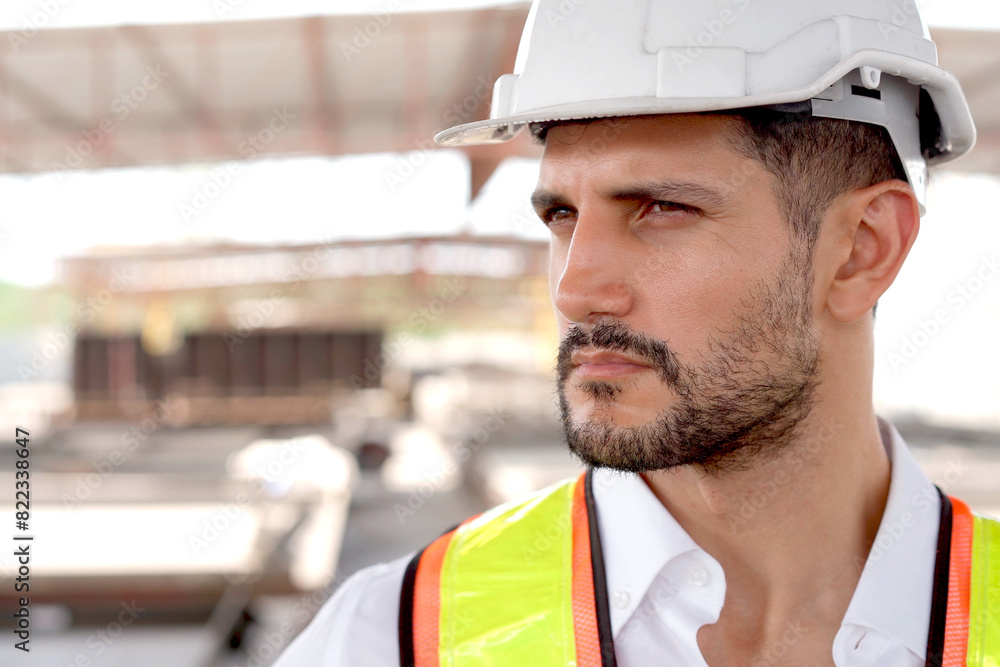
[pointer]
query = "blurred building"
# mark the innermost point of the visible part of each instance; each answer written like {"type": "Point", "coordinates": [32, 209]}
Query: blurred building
{"type": "Point", "coordinates": [240, 334]}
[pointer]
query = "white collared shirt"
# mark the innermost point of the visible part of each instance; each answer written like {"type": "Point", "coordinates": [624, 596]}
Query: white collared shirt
{"type": "Point", "coordinates": [662, 587]}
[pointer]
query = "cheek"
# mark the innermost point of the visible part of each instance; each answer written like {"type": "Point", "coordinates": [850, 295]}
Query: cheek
{"type": "Point", "coordinates": [688, 297]}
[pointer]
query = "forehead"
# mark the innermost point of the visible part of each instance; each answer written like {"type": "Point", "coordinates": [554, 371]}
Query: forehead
{"type": "Point", "coordinates": [677, 127]}
{"type": "Point", "coordinates": [688, 147]}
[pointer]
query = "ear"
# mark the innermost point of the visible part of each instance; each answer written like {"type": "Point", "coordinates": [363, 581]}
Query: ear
{"type": "Point", "coordinates": [875, 228]}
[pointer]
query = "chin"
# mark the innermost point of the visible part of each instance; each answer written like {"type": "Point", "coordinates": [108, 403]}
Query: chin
{"type": "Point", "coordinates": [614, 405]}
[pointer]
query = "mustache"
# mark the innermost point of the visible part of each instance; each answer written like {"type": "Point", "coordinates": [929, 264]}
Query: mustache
{"type": "Point", "coordinates": [618, 337]}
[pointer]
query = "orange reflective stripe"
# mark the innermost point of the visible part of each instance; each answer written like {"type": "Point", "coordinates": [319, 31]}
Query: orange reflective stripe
{"type": "Point", "coordinates": [521, 582]}
{"type": "Point", "coordinates": [588, 645]}
{"type": "Point", "coordinates": [427, 602]}
{"type": "Point", "coordinates": [956, 631]}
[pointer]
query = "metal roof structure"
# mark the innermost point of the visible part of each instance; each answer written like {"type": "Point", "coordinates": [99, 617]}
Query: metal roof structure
{"type": "Point", "coordinates": [91, 98]}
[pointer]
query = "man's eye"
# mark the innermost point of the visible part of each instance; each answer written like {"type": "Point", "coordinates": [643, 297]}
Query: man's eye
{"type": "Point", "coordinates": [557, 215]}
{"type": "Point", "coordinates": [669, 207]}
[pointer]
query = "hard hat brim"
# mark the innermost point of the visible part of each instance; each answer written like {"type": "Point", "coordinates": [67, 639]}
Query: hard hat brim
{"type": "Point", "coordinates": [958, 129]}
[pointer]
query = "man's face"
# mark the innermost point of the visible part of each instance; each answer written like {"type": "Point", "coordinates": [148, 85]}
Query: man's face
{"type": "Point", "coordinates": [685, 309]}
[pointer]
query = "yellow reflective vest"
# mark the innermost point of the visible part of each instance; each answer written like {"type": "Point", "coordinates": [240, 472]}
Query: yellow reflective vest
{"type": "Point", "coordinates": [523, 585]}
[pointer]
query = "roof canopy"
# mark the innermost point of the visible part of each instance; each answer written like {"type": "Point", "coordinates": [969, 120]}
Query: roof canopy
{"type": "Point", "coordinates": [165, 94]}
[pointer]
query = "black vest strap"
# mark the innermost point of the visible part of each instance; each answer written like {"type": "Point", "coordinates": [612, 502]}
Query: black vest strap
{"type": "Point", "coordinates": [406, 656]}
{"type": "Point", "coordinates": [939, 600]}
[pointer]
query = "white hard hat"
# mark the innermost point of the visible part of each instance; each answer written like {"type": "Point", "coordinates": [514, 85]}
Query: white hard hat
{"type": "Point", "coordinates": [870, 61]}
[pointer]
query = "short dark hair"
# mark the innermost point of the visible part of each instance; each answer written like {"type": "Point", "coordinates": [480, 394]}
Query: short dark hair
{"type": "Point", "coordinates": [814, 161]}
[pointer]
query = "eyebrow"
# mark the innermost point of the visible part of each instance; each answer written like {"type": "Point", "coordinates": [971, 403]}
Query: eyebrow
{"type": "Point", "coordinates": [677, 191]}
{"type": "Point", "coordinates": [543, 200]}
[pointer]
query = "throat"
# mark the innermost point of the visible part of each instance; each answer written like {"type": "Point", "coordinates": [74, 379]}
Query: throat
{"type": "Point", "coordinates": [797, 641]}
{"type": "Point", "coordinates": [792, 536]}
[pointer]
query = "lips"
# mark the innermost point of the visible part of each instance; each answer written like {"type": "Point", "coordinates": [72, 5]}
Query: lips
{"type": "Point", "coordinates": [610, 350]}
{"type": "Point", "coordinates": [606, 364]}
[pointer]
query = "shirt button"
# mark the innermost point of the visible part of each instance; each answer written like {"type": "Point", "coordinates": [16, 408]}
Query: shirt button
{"type": "Point", "coordinates": [619, 600]}
{"type": "Point", "coordinates": [696, 576]}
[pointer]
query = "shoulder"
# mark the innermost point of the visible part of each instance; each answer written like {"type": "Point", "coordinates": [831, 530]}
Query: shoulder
{"type": "Point", "coordinates": [357, 626]}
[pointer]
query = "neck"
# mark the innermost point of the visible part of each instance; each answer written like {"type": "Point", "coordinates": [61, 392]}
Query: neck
{"type": "Point", "coordinates": [793, 532]}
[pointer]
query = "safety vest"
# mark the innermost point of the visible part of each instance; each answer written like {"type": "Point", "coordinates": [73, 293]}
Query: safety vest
{"type": "Point", "coordinates": [523, 584]}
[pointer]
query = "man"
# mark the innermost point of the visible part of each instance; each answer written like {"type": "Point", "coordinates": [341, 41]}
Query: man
{"type": "Point", "coordinates": [729, 188]}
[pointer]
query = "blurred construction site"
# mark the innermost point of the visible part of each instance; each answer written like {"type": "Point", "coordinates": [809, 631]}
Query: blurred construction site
{"type": "Point", "coordinates": [262, 332]}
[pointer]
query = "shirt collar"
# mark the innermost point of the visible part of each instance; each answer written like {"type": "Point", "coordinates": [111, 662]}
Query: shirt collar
{"type": "Point", "coordinates": [638, 537]}
{"type": "Point", "coordinates": [893, 595]}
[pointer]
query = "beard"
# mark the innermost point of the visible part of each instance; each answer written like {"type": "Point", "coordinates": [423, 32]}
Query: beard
{"type": "Point", "coordinates": [741, 404]}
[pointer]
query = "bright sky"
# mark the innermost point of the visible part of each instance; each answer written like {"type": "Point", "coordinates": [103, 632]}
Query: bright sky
{"type": "Point", "coordinates": [979, 14]}
{"type": "Point", "coordinates": [268, 201]}
{"type": "Point", "coordinates": [936, 332]}
{"type": "Point", "coordinates": [73, 13]}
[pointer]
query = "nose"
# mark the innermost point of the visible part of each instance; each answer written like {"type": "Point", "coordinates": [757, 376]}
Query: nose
{"type": "Point", "coordinates": [589, 273]}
